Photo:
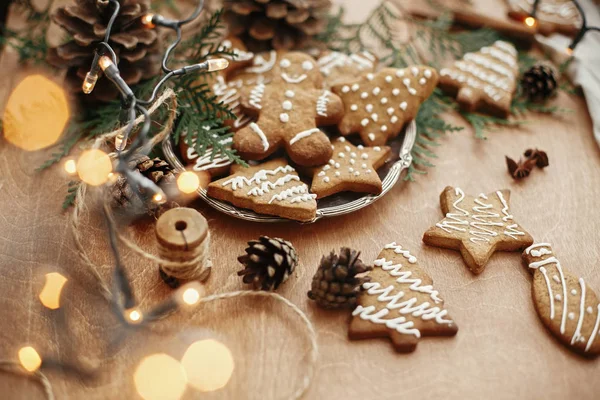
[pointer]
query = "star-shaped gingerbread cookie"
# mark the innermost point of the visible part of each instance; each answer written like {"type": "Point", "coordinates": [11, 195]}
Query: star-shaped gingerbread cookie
{"type": "Point", "coordinates": [378, 105]}
{"type": "Point", "coordinates": [272, 188]}
{"type": "Point", "coordinates": [351, 168]}
{"type": "Point", "coordinates": [477, 226]}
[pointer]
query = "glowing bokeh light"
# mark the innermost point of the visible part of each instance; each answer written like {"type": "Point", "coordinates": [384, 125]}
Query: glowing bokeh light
{"type": "Point", "coordinates": [189, 294]}
{"type": "Point", "coordinates": [29, 358]}
{"type": "Point", "coordinates": [36, 113]}
{"type": "Point", "coordinates": [50, 294]}
{"type": "Point", "coordinates": [208, 365]}
{"type": "Point", "coordinates": [188, 182]}
{"type": "Point", "coordinates": [530, 21]}
{"type": "Point", "coordinates": [160, 377]}
{"type": "Point", "coordinates": [134, 315]}
{"type": "Point", "coordinates": [93, 167]}
{"type": "Point", "coordinates": [70, 167]}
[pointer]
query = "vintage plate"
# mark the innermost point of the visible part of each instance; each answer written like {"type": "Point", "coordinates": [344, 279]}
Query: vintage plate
{"type": "Point", "coordinates": [332, 206]}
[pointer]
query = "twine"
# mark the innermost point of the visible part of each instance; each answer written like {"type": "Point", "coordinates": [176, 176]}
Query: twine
{"type": "Point", "coordinates": [170, 265]}
{"type": "Point", "coordinates": [198, 271]}
{"type": "Point", "coordinates": [13, 366]}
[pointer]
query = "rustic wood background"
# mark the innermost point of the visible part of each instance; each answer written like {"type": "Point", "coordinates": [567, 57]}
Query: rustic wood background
{"type": "Point", "coordinates": [501, 351]}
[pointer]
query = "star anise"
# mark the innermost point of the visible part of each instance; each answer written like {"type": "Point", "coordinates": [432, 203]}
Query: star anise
{"type": "Point", "coordinates": [522, 169]}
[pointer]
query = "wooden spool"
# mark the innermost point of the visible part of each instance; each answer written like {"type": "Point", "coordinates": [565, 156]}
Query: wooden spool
{"type": "Point", "coordinates": [183, 236]}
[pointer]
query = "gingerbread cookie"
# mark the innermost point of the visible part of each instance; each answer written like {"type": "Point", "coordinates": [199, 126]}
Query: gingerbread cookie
{"type": "Point", "coordinates": [378, 105]}
{"type": "Point", "coordinates": [351, 168]}
{"type": "Point", "coordinates": [241, 57]}
{"type": "Point", "coordinates": [399, 302]}
{"type": "Point", "coordinates": [552, 16]}
{"type": "Point", "coordinates": [289, 108]}
{"type": "Point", "coordinates": [217, 164]}
{"type": "Point", "coordinates": [338, 67]}
{"type": "Point", "coordinates": [485, 80]}
{"type": "Point", "coordinates": [477, 226]}
{"type": "Point", "coordinates": [272, 188]}
{"type": "Point", "coordinates": [566, 304]}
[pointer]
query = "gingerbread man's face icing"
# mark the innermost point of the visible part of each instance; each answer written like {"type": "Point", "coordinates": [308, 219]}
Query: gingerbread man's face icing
{"type": "Point", "coordinates": [300, 72]}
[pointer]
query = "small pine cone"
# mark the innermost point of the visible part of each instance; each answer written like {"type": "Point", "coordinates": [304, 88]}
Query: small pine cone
{"type": "Point", "coordinates": [276, 24]}
{"type": "Point", "coordinates": [268, 262]}
{"type": "Point", "coordinates": [539, 82]}
{"type": "Point", "coordinates": [335, 284]}
{"type": "Point", "coordinates": [124, 196]}
{"type": "Point", "coordinates": [138, 49]}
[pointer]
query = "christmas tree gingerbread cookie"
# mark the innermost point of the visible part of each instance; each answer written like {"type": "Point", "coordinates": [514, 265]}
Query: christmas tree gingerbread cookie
{"type": "Point", "coordinates": [351, 168]}
{"type": "Point", "coordinates": [399, 302]}
{"type": "Point", "coordinates": [272, 188]}
{"type": "Point", "coordinates": [289, 109]}
{"type": "Point", "coordinates": [378, 105]}
{"type": "Point", "coordinates": [566, 305]}
{"type": "Point", "coordinates": [477, 226]}
{"type": "Point", "coordinates": [339, 67]}
{"type": "Point", "coordinates": [485, 80]}
{"type": "Point", "coordinates": [560, 16]}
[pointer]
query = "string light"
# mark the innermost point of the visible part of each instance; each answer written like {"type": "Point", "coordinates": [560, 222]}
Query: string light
{"type": "Point", "coordinates": [29, 358]}
{"type": "Point", "coordinates": [134, 316]}
{"type": "Point", "coordinates": [188, 182]}
{"type": "Point", "coordinates": [120, 142]}
{"type": "Point", "coordinates": [531, 22]}
{"type": "Point", "coordinates": [217, 64]}
{"type": "Point", "coordinates": [50, 294]}
{"type": "Point", "coordinates": [112, 178]}
{"type": "Point", "coordinates": [147, 21]}
{"type": "Point", "coordinates": [70, 167]}
{"type": "Point", "coordinates": [189, 294]}
{"type": "Point", "coordinates": [159, 198]}
{"type": "Point", "coordinates": [89, 83]}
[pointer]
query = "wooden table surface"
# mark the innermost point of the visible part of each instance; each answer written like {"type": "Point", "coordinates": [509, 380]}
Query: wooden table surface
{"type": "Point", "coordinates": [502, 351]}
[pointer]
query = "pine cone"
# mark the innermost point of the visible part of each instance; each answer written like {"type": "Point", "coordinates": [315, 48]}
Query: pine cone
{"type": "Point", "coordinates": [278, 24]}
{"type": "Point", "coordinates": [335, 284]}
{"type": "Point", "coordinates": [137, 48]}
{"type": "Point", "coordinates": [269, 262]}
{"type": "Point", "coordinates": [539, 82]}
{"type": "Point", "coordinates": [124, 196]}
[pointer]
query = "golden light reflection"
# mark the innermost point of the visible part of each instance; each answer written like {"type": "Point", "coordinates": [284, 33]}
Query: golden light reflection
{"type": "Point", "coordinates": [190, 294]}
{"type": "Point", "coordinates": [208, 365]}
{"type": "Point", "coordinates": [36, 113]}
{"type": "Point", "coordinates": [134, 316]}
{"type": "Point", "coordinates": [70, 167]}
{"type": "Point", "coordinates": [530, 21]}
{"type": "Point", "coordinates": [160, 377]}
{"type": "Point", "coordinates": [50, 294]}
{"type": "Point", "coordinates": [188, 182]}
{"type": "Point", "coordinates": [29, 358]}
{"type": "Point", "coordinates": [93, 167]}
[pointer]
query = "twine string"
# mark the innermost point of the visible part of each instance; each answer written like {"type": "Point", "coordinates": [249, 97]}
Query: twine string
{"type": "Point", "coordinates": [183, 269]}
{"type": "Point", "coordinates": [15, 367]}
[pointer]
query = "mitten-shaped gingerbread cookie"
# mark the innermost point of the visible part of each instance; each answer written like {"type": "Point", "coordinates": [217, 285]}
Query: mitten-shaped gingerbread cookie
{"type": "Point", "coordinates": [399, 301]}
{"type": "Point", "coordinates": [551, 15]}
{"type": "Point", "coordinates": [378, 105]}
{"type": "Point", "coordinates": [485, 80]}
{"type": "Point", "coordinates": [566, 305]}
{"type": "Point", "coordinates": [289, 108]}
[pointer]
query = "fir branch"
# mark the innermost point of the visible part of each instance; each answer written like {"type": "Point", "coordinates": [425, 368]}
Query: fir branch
{"type": "Point", "coordinates": [71, 196]}
{"type": "Point", "coordinates": [482, 122]}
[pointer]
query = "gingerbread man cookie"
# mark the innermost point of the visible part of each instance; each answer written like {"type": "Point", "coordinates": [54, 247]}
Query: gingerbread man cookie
{"type": "Point", "coordinates": [485, 80]}
{"type": "Point", "coordinates": [477, 226]}
{"type": "Point", "coordinates": [351, 168]}
{"type": "Point", "coordinates": [378, 105]}
{"type": "Point", "coordinates": [272, 188]}
{"type": "Point", "coordinates": [289, 108]}
{"type": "Point", "coordinates": [567, 306]}
{"type": "Point", "coordinates": [399, 301]}
{"type": "Point", "coordinates": [553, 16]}
{"type": "Point", "coordinates": [339, 67]}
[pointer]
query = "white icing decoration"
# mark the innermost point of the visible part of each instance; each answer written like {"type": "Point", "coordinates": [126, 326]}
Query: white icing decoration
{"type": "Point", "coordinates": [384, 128]}
{"type": "Point", "coordinates": [377, 148]}
{"type": "Point", "coordinates": [256, 95]}
{"type": "Point", "coordinates": [302, 135]}
{"type": "Point", "coordinates": [360, 147]}
{"type": "Point", "coordinates": [363, 166]}
{"type": "Point", "coordinates": [577, 333]}
{"type": "Point", "coordinates": [337, 165]}
{"type": "Point", "coordinates": [260, 65]}
{"type": "Point", "coordinates": [558, 297]}
{"type": "Point", "coordinates": [364, 95]}
{"type": "Point", "coordinates": [284, 117]}
{"type": "Point", "coordinates": [205, 163]}
{"type": "Point", "coordinates": [400, 73]}
{"type": "Point", "coordinates": [347, 148]}
{"type": "Point", "coordinates": [341, 139]}
{"type": "Point", "coordinates": [394, 119]}
{"type": "Point", "coordinates": [376, 91]}
{"type": "Point", "coordinates": [337, 173]}
{"type": "Point", "coordinates": [549, 288]}
{"type": "Point", "coordinates": [554, 260]}
{"type": "Point", "coordinates": [353, 155]}
{"type": "Point", "coordinates": [371, 136]}
{"type": "Point", "coordinates": [355, 87]}
{"type": "Point", "coordinates": [370, 76]}
{"type": "Point", "coordinates": [384, 100]}
{"type": "Point", "coordinates": [322, 102]}
{"type": "Point", "coordinates": [364, 156]}
{"type": "Point", "coordinates": [374, 117]}
{"type": "Point", "coordinates": [326, 179]}
{"type": "Point", "coordinates": [302, 190]}
{"type": "Point", "coordinates": [364, 122]}
{"type": "Point", "coordinates": [574, 292]}
{"type": "Point", "coordinates": [352, 162]}
{"type": "Point", "coordinates": [422, 81]}
{"type": "Point", "coordinates": [403, 106]}
{"type": "Point", "coordinates": [294, 80]}
{"type": "Point", "coordinates": [290, 94]}
{"type": "Point", "coordinates": [256, 129]}
{"type": "Point", "coordinates": [369, 171]}
{"type": "Point", "coordinates": [341, 155]}
{"type": "Point", "coordinates": [415, 71]}
{"type": "Point", "coordinates": [267, 186]}
{"type": "Point", "coordinates": [285, 63]}
{"type": "Point", "coordinates": [369, 107]}
{"type": "Point", "coordinates": [322, 173]}
{"type": "Point", "coordinates": [389, 79]}
{"type": "Point", "coordinates": [589, 310]}
{"type": "Point", "coordinates": [307, 65]}
{"type": "Point", "coordinates": [238, 182]}
{"type": "Point", "coordinates": [351, 169]}
{"type": "Point", "coordinates": [390, 111]}
{"type": "Point", "coordinates": [287, 105]}
{"type": "Point", "coordinates": [345, 89]}
{"type": "Point", "coordinates": [594, 331]}
{"type": "Point", "coordinates": [405, 253]}
{"type": "Point", "coordinates": [335, 59]}
{"type": "Point", "coordinates": [356, 173]}
{"type": "Point", "coordinates": [427, 73]}
{"type": "Point", "coordinates": [396, 92]}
